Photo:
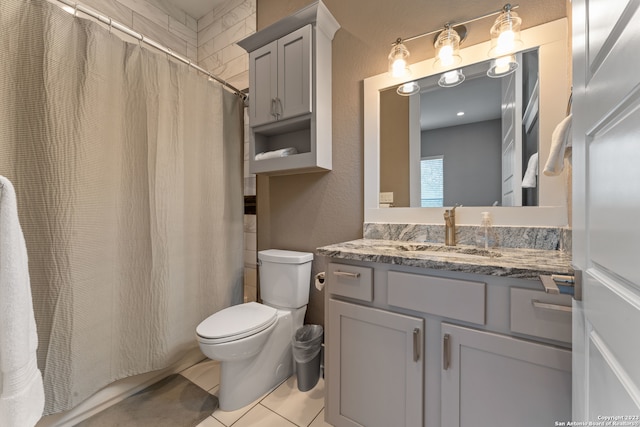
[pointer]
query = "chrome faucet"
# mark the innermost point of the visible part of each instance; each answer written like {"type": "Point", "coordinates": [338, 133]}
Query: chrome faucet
{"type": "Point", "coordinates": [450, 227]}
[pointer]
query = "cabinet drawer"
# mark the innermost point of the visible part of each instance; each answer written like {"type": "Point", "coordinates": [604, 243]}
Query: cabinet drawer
{"type": "Point", "coordinates": [351, 281]}
{"type": "Point", "coordinates": [452, 298]}
{"type": "Point", "coordinates": [540, 314]}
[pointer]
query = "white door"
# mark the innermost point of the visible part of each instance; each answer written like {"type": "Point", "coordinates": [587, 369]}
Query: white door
{"type": "Point", "coordinates": [606, 210]}
{"type": "Point", "coordinates": [512, 138]}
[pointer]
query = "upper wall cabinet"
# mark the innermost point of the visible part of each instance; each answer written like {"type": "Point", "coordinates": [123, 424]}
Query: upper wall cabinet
{"type": "Point", "coordinates": [280, 78]}
{"type": "Point", "coordinates": [290, 93]}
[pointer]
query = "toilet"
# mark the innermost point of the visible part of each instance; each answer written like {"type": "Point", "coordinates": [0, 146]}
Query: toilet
{"type": "Point", "coordinates": [253, 341]}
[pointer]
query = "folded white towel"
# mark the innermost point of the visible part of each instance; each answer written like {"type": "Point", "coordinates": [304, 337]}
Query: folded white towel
{"type": "Point", "coordinates": [560, 147]}
{"type": "Point", "coordinates": [529, 179]}
{"type": "Point", "coordinates": [21, 390]}
{"type": "Point", "coordinates": [283, 152]}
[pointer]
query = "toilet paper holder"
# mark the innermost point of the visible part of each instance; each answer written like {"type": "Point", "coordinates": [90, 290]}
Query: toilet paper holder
{"type": "Point", "coordinates": [319, 280]}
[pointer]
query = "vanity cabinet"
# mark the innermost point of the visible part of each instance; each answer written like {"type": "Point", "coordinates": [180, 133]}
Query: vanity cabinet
{"type": "Point", "coordinates": [487, 354]}
{"type": "Point", "coordinates": [290, 93]}
{"type": "Point", "coordinates": [378, 359]}
{"type": "Point", "coordinates": [494, 379]}
{"type": "Point", "coordinates": [280, 78]}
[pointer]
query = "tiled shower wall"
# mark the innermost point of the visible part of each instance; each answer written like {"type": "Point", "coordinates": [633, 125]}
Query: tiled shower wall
{"type": "Point", "coordinates": [210, 42]}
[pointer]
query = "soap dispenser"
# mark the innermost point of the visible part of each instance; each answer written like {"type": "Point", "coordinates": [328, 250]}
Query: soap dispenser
{"type": "Point", "coordinates": [486, 236]}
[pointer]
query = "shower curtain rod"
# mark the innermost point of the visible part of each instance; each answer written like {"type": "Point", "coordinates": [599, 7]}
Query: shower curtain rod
{"type": "Point", "coordinates": [142, 38]}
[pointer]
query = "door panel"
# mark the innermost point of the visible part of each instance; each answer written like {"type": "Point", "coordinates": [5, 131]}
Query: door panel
{"type": "Point", "coordinates": [512, 138]}
{"type": "Point", "coordinates": [606, 206]}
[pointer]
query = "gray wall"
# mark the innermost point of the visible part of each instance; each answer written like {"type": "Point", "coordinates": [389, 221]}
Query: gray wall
{"type": "Point", "coordinates": [472, 166]}
{"type": "Point", "coordinates": [303, 212]}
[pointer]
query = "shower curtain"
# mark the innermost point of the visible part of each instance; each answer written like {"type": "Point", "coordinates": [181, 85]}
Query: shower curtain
{"type": "Point", "coordinates": [128, 173]}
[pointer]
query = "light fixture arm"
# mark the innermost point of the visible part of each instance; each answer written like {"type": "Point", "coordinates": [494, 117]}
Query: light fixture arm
{"type": "Point", "coordinates": [507, 7]}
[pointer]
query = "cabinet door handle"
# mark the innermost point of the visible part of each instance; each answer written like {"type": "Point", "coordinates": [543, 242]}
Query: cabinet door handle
{"type": "Point", "coordinates": [555, 307]}
{"type": "Point", "coordinates": [347, 274]}
{"type": "Point", "coordinates": [416, 344]}
{"type": "Point", "coordinates": [273, 108]}
{"type": "Point", "coordinates": [446, 351]}
{"type": "Point", "coordinates": [279, 107]}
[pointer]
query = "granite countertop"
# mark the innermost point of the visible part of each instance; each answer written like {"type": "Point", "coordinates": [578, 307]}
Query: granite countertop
{"type": "Point", "coordinates": [505, 262]}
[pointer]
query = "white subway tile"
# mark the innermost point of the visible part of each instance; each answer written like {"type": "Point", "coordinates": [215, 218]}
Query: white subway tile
{"type": "Point", "coordinates": [251, 23]}
{"type": "Point", "coordinates": [192, 23]}
{"type": "Point", "coordinates": [181, 30]}
{"type": "Point", "coordinates": [209, 32]}
{"type": "Point", "coordinates": [241, 81]}
{"type": "Point", "coordinates": [233, 51]}
{"type": "Point", "coordinates": [250, 277]}
{"type": "Point", "coordinates": [205, 50]}
{"type": "Point", "coordinates": [148, 11]}
{"type": "Point", "coordinates": [250, 223]}
{"type": "Point", "coordinates": [159, 34]}
{"type": "Point", "coordinates": [210, 63]}
{"type": "Point", "coordinates": [112, 9]}
{"type": "Point", "coordinates": [229, 36]}
{"type": "Point", "coordinates": [205, 21]}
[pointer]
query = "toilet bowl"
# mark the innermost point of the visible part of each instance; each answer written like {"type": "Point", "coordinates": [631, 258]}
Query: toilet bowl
{"type": "Point", "coordinates": [253, 341]}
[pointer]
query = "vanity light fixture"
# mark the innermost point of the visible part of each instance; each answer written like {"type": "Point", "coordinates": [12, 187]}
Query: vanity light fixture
{"type": "Point", "coordinates": [505, 33]}
{"type": "Point", "coordinates": [447, 44]}
{"type": "Point", "coordinates": [398, 60]}
{"type": "Point", "coordinates": [451, 78]}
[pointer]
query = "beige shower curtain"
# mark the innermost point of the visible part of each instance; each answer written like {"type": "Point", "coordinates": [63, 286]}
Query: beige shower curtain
{"type": "Point", "coordinates": [128, 173]}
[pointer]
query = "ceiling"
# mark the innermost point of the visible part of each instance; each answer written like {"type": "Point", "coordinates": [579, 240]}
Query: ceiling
{"type": "Point", "coordinates": [478, 97]}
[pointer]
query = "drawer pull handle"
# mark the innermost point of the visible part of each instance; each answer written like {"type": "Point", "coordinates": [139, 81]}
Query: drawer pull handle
{"type": "Point", "coordinates": [347, 274]}
{"type": "Point", "coordinates": [416, 344]}
{"type": "Point", "coordinates": [446, 351]}
{"type": "Point", "coordinates": [547, 306]}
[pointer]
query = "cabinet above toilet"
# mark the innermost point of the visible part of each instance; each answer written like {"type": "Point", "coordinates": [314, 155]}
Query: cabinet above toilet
{"type": "Point", "coordinates": [290, 93]}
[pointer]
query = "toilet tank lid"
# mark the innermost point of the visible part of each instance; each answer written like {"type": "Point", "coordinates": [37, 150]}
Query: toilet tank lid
{"type": "Point", "coordinates": [285, 257]}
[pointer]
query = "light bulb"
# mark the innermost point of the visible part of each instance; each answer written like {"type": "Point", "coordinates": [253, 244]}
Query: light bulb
{"type": "Point", "coordinates": [399, 68]}
{"type": "Point", "coordinates": [446, 55]}
{"type": "Point", "coordinates": [505, 42]}
{"type": "Point", "coordinates": [451, 77]}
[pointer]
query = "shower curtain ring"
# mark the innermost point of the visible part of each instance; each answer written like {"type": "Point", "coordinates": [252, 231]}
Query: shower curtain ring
{"type": "Point", "coordinates": [110, 25]}
{"type": "Point", "coordinates": [75, 10]}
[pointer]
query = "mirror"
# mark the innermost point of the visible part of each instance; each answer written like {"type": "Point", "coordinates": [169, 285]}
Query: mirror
{"type": "Point", "coordinates": [551, 44]}
{"type": "Point", "coordinates": [458, 155]}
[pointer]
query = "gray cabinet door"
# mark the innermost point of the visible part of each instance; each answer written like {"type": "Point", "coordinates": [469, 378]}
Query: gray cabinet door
{"type": "Point", "coordinates": [263, 84]}
{"type": "Point", "coordinates": [490, 379]}
{"type": "Point", "coordinates": [294, 73]}
{"type": "Point", "coordinates": [280, 78]}
{"type": "Point", "coordinates": [375, 369]}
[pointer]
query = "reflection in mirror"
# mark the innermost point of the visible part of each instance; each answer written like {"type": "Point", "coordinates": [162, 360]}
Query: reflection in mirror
{"type": "Point", "coordinates": [476, 143]}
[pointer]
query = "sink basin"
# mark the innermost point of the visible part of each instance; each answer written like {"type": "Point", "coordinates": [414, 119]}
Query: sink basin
{"type": "Point", "coordinates": [432, 247]}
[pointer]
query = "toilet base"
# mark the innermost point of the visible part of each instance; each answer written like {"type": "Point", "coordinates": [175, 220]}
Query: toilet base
{"type": "Point", "coordinates": [244, 381]}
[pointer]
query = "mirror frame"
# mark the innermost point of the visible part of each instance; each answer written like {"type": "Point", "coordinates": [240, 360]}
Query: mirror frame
{"type": "Point", "coordinates": [554, 50]}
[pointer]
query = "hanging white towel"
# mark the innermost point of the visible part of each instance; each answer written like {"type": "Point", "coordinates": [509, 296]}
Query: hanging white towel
{"type": "Point", "coordinates": [529, 180]}
{"type": "Point", "coordinates": [560, 147]}
{"type": "Point", "coordinates": [21, 389]}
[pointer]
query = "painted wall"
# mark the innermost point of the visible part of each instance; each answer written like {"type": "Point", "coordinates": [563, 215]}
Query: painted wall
{"type": "Point", "coordinates": [303, 212]}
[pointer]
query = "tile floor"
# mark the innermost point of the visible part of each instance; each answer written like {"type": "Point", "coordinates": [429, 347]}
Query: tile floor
{"type": "Point", "coordinates": [285, 406]}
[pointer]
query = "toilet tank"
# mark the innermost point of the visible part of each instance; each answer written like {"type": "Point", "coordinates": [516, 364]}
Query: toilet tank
{"type": "Point", "coordinates": [285, 277]}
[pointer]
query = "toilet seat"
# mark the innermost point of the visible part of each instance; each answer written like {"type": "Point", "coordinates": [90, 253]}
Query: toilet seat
{"type": "Point", "coordinates": [236, 322]}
